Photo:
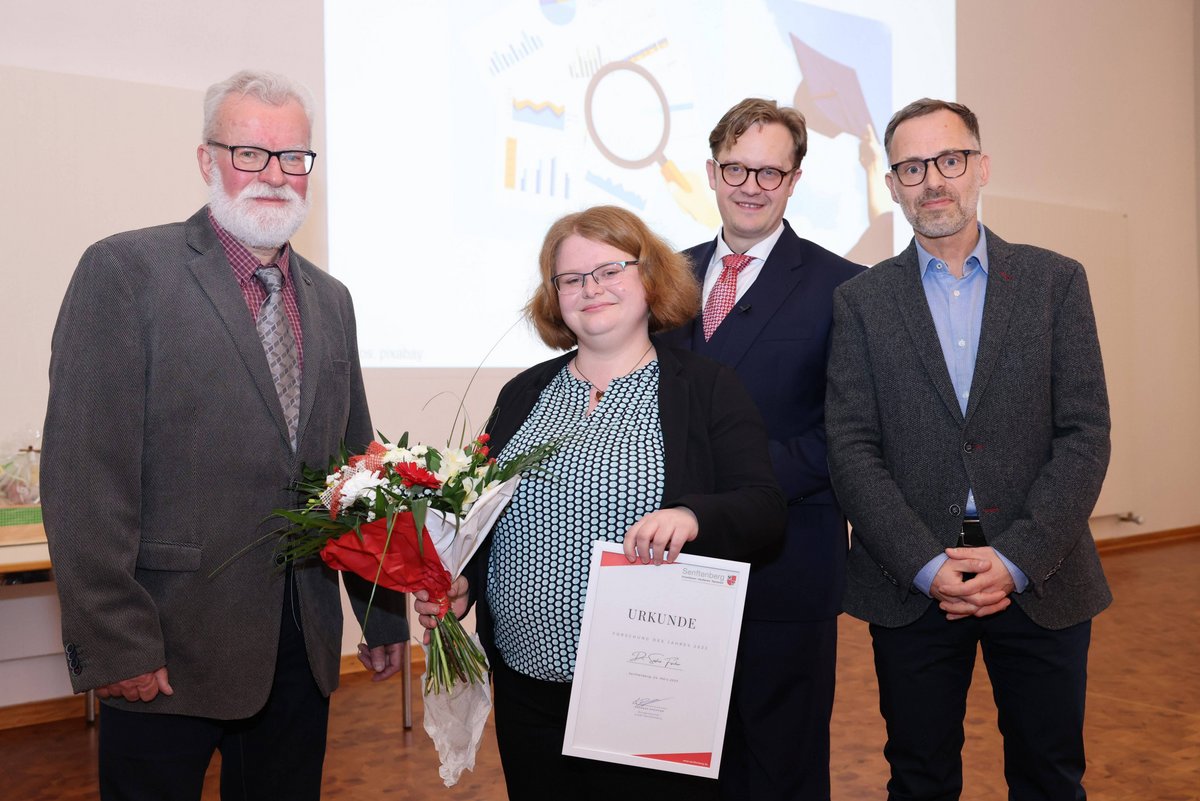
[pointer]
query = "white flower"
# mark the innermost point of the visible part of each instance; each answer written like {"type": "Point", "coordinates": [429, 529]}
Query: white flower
{"type": "Point", "coordinates": [470, 492]}
{"type": "Point", "coordinates": [454, 462]}
{"type": "Point", "coordinates": [419, 450]}
{"type": "Point", "coordinates": [360, 485]}
{"type": "Point", "coordinates": [396, 455]}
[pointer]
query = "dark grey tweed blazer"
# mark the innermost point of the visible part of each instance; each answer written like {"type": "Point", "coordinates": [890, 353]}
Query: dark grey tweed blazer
{"type": "Point", "coordinates": [165, 452]}
{"type": "Point", "coordinates": [1034, 443]}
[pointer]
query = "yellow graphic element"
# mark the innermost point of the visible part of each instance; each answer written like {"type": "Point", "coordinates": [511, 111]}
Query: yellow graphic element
{"type": "Point", "coordinates": [532, 106]}
{"type": "Point", "coordinates": [699, 203]}
{"type": "Point", "coordinates": [661, 44]}
{"type": "Point", "coordinates": [673, 175]}
{"type": "Point", "coordinates": [510, 163]}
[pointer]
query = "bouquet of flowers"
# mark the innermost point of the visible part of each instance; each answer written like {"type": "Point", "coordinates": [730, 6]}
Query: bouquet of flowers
{"type": "Point", "coordinates": [409, 518]}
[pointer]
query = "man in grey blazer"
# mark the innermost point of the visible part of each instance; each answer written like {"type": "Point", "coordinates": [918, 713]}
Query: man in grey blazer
{"type": "Point", "coordinates": [968, 439]}
{"type": "Point", "coordinates": [168, 441]}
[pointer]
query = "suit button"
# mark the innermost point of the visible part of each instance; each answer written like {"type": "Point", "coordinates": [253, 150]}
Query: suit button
{"type": "Point", "coordinates": [71, 649]}
{"type": "Point", "coordinates": [955, 510]}
{"type": "Point", "coordinates": [968, 447]}
{"type": "Point", "coordinates": [77, 669]}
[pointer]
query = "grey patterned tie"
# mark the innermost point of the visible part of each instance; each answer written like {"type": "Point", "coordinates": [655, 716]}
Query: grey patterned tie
{"type": "Point", "coordinates": [280, 347]}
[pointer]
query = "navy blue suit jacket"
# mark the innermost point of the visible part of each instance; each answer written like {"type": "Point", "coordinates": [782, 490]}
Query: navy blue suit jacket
{"type": "Point", "coordinates": [777, 340]}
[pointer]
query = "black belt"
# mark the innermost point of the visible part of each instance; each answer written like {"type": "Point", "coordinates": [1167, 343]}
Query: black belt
{"type": "Point", "coordinates": [971, 537]}
{"type": "Point", "coordinates": [972, 534]}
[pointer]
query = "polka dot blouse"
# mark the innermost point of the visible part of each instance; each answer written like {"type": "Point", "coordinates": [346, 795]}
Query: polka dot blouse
{"type": "Point", "coordinates": [607, 474]}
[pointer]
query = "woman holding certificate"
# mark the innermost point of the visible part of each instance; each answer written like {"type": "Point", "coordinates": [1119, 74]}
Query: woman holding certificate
{"type": "Point", "coordinates": [661, 451]}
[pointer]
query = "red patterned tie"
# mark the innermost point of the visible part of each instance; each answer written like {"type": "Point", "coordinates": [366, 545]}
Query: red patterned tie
{"type": "Point", "coordinates": [720, 299]}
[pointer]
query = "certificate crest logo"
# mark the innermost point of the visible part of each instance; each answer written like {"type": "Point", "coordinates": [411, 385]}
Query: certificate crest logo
{"type": "Point", "coordinates": [731, 580]}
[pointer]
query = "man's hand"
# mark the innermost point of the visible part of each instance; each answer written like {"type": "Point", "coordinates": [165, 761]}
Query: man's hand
{"type": "Point", "coordinates": [986, 594]}
{"type": "Point", "coordinates": [383, 661]}
{"type": "Point", "coordinates": [427, 610]}
{"type": "Point", "coordinates": [659, 536]}
{"type": "Point", "coordinates": [145, 687]}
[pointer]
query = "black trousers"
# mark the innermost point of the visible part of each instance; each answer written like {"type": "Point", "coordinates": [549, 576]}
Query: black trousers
{"type": "Point", "coordinates": [531, 721]}
{"type": "Point", "coordinates": [1039, 680]}
{"type": "Point", "coordinates": [777, 739]}
{"type": "Point", "coordinates": [277, 753]}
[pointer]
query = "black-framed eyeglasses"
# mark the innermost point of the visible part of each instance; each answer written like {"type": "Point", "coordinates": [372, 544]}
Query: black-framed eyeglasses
{"type": "Point", "coordinates": [951, 164]}
{"type": "Point", "coordinates": [248, 158]}
{"type": "Point", "coordinates": [767, 178]}
{"type": "Point", "coordinates": [606, 274]}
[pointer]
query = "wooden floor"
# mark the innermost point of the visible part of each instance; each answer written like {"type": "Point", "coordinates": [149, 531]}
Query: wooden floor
{"type": "Point", "coordinates": [1143, 725]}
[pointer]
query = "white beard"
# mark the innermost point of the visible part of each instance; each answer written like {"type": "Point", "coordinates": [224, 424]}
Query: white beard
{"type": "Point", "coordinates": [253, 225]}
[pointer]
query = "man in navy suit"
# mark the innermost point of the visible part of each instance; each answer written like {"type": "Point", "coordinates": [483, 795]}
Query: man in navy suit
{"type": "Point", "coordinates": [767, 313]}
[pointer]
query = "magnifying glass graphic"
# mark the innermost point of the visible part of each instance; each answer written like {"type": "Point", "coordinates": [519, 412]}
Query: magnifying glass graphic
{"type": "Point", "coordinates": [669, 171]}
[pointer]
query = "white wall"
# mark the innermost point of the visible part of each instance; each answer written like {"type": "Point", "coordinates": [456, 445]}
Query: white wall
{"type": "Point", "coordinates": [1084, 104]}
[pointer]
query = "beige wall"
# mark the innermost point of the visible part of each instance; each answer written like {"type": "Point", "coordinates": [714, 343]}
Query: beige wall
{"type": "Point", "coordinates": [1093, 105]}
{"type": "Point", "coordinates": [1085, 104]}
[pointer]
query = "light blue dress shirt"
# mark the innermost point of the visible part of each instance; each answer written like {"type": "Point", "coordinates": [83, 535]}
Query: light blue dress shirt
{"type": "Point", "coordinates": [957, 308]}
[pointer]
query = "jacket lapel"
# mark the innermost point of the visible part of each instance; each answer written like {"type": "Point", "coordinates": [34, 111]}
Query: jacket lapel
{"type": "Point", "coordinates": [212, 272]}
{"type": "Point", "coordinates": [672, 413]}
{"type": "Point", "coordinates": [914, 309]}
{"type": "Point", "coordinates": [314, 342]}
{"type": "Point", "coordinates": [1002, 278]}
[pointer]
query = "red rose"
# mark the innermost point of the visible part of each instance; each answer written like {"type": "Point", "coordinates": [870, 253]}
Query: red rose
{"type": "Point", "coordinates": [412, 474]}
{"type": "Point", "coordinates": [407, 567]}
{"type": "Point", "coordinates": [483, 439]}
{"type": "Point", "coordinates": [483, 451]}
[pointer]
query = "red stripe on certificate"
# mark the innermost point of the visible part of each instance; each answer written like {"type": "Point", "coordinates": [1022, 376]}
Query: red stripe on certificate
{"type": "Point", "coordinates": [701, 758]}
{"type": "Point", "coordinates": [608, 559]}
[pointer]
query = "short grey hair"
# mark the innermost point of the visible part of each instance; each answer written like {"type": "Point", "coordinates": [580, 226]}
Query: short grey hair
{"type": "Point", "coordinates": [269, 87]}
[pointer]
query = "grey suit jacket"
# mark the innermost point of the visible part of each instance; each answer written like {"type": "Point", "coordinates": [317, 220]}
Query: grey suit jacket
{"type": "Point", "coordinates": [165, 451]}
{"type": "Point", "coordinates": [1034, 443]}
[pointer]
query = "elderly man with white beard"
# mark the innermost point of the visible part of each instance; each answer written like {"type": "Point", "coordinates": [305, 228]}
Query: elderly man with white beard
{"type": "Point", "coordinates": [195, 367]}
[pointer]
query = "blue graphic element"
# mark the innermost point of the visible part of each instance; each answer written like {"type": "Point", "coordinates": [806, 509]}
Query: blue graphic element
{"type": "Point", "coordinates": [560, 12]}
{"type": "Point", "coordinates": [617, 191]}
{"type": "Point", "coordinates": [550, 184]}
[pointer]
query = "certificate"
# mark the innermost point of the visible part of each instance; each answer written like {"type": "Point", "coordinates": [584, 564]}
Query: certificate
{"type": "Point", "coordinates": [655, 661]}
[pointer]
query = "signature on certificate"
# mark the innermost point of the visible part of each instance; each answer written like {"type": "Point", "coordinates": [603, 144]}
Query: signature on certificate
{"type": "Point", "coordinates": [650, 703]}
{"type": "Point", "coordinates": [655, 660]}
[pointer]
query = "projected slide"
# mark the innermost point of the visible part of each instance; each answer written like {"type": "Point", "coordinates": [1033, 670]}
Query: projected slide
{"type": "Point", "coordinates": [458, 131]}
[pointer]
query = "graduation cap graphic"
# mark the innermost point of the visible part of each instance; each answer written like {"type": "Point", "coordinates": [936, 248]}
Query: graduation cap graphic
{"type": "Point", "coordinates": [829, 95]}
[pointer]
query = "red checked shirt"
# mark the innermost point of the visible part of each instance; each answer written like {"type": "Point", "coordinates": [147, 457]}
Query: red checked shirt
{"type": "Point", "coordinates": [244, 264]}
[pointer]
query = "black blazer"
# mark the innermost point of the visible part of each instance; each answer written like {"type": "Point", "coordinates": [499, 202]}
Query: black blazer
{"type": "Point", "coordinates": [715, 454]}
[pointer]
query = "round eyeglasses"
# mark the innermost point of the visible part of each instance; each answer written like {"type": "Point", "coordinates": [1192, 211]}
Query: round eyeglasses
{"type": "Point", "coordinates": [248, 158]}
{"type": "Point", "coordinates": [606, 274]}
{"type": "Point", "coordinates": [951, 164]}
{"type": "Point", "coordinates": [767, 178]}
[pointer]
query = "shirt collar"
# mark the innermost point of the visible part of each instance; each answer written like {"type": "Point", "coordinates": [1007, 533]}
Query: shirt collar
{"type": "Point", "coordinates": [979, 254]}
{"type": "Point", "coordinates": [243, 262]}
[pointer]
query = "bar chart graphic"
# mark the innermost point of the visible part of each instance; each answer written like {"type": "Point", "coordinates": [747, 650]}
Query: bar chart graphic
{"type": "Point", "coordinates": [515, 53]}
{"type": "Point", "coordinates": [541, 176]}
